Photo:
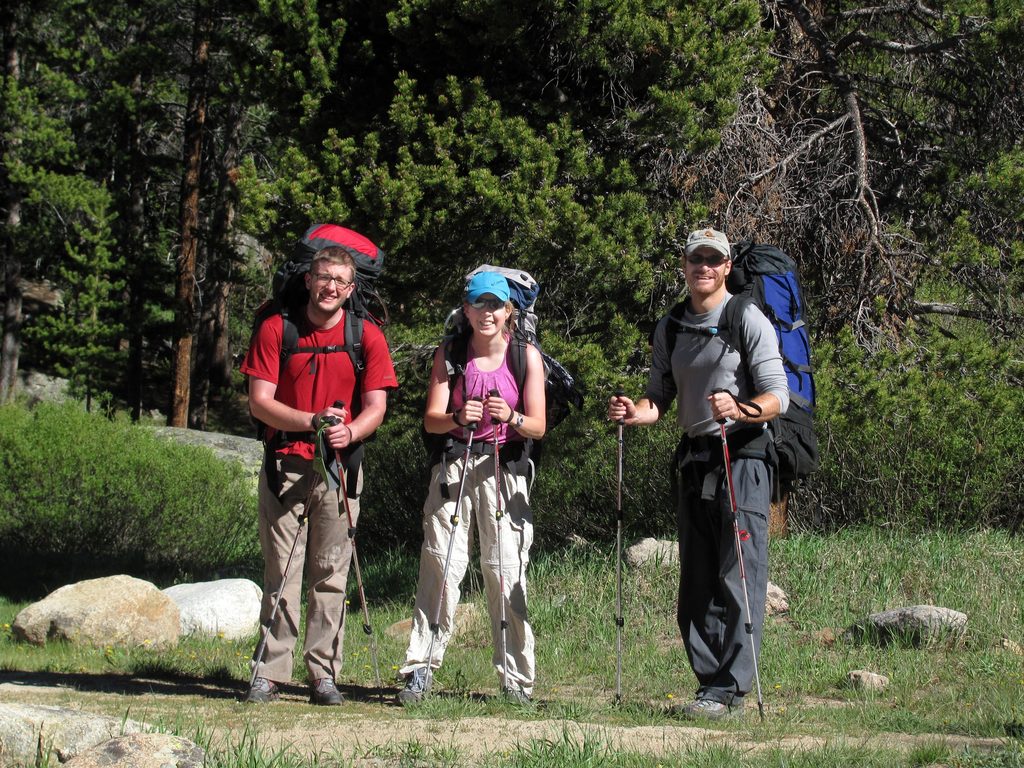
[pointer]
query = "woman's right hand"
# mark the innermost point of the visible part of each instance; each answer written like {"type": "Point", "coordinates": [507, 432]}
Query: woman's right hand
{"type": "Point", "coordinates": [472, 411]}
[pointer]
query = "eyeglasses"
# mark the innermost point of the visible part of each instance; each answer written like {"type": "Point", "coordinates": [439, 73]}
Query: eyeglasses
{"type": "Point", "coordinates": [711, 259]}
{"type": "Point", "coordinates": [492, 304]}
{"type": "Point", "coordinates": [325, 280]}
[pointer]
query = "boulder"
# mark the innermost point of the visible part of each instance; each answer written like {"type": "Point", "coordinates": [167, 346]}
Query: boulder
{"type": "Point", "coordinates": [465, 615]}
{"type": "Point", "coordinates": [652, 552]}
{"type": "Point", "coordinates": [244, 451]}
{"type": "Point", "coordinates": [31, 733]}
{"type": "Point", "coordinates": [227, 608]}
{"type": "Point", "coordinates": [110, 611]}
{"type": "Point", "coordinates": [916, 625]}
{"type": "Point", "coordinates": [142, 750]}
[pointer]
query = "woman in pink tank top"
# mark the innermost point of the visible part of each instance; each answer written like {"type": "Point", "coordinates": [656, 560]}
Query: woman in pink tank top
{"type": "Point", "coordinates": [479, 482]}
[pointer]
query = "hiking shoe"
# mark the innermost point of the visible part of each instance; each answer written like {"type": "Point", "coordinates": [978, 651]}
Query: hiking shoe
{"type": "Point", "coordinates": [325, 693]}
{"type": "Point", "coordinates": [262, 691]}
{"type": "Point", "coordinates": [515, 694]}
{"type": "Point", "coordinates": [415, 687]}
{"type": "Point", "coordinates": [707, 709]}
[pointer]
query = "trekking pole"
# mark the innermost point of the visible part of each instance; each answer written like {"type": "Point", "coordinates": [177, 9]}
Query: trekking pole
{"type": "Point", "coordinates": [435, 625]}
{"type": "Point", "coordinates": [343, 498]}
{"type": "Point", "coordinates": [619, 623]}
{"type": "Point", "coordinates": [501, 563]}
{"type": "Point", "coordinates": [262, 647]}
{"type": "Point", "coordinates": [749, 626]}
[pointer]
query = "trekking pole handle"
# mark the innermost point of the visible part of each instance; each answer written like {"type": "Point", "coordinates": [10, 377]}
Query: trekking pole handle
{"type": "Point", "coordinates": [747, 408]}
{"type": "Point", "coordinates": [620, 392]}
{"type": "Point", "coordinates": [494, 393]}
{"type": "Point", "coordinates": [472, 425]}
{"type": "Point", "coordinates": [340, 405]}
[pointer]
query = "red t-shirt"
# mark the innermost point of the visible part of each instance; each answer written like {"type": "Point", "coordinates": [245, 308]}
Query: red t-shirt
{"type": "Point", "coordinates": [313, 381]}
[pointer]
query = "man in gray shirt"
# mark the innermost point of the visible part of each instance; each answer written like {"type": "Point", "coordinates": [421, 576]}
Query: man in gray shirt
{"type": "Point", "coordinates": [718, 370]}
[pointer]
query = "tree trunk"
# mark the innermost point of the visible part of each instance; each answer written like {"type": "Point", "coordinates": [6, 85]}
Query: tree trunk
{"type": "Point", "coordinates": [12, 306]}
{"type": "Point", "coordinates": [223, 227]}
{"type": "Point", "coordinates": [135, 248]}
{"type": "Point", "coordinates": [195, 120]}
{"type": "Point", "coordinates": [10, 348]}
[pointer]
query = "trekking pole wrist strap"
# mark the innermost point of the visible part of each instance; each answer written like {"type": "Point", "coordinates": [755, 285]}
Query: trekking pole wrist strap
{"type": "Point", "coordinates": [455, 418]}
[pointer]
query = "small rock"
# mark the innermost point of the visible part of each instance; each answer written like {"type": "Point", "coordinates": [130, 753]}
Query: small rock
{"type": "Point", "coordinates": [777, 602]}
{"type": "Point", "coordinates": [826, 637]}
{"type": "Point", "coordinates": [862, 680]}
{"type": "Point", "coordinates": [1009, 645]}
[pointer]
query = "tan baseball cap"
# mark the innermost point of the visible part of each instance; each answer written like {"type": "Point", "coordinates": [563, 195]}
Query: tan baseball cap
{"type": "Point", "coordinates": [708, 238]}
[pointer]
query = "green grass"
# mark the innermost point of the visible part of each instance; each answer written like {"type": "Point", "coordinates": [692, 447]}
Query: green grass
{"type": "Point", "coordinates": [973, 689]}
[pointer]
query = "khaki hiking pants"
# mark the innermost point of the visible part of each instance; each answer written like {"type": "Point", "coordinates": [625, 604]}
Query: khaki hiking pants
{"type": "Point", "coordinates": [323, 552]}
{"type": "Point", "coordinates": [476, 511]}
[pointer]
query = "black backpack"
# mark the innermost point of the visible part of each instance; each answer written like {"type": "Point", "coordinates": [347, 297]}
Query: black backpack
{"type": "Point", "coordinates": [767, 277]}
{"type": "Point", "coordinates": [289, 296]}
{"type": "Point", "coordinates": [560, 388]}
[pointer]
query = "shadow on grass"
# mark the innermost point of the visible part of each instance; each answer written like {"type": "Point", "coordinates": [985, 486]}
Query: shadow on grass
{"type": "Point", "coordinates": [223, 687]}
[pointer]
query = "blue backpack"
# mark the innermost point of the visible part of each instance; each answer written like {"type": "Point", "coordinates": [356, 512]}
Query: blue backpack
{"type": "Point", "coordinates": [768, 277]}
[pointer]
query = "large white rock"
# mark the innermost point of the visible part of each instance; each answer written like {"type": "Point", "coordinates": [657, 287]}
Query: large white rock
{"type": "Point", "coordinates": [142, 750]}
{"type": "Point", "coordinates": [228, 608]}
{"type": "Point", "coordinates": [110, 611]}
{"type": "Point", "coordinates": [31, 733]}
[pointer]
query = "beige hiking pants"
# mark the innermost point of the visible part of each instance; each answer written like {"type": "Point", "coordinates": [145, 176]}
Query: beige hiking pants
{"type": "Point", "coordinates": [323, 552]}
{"type": "Point", "coordinates": [476, 510]}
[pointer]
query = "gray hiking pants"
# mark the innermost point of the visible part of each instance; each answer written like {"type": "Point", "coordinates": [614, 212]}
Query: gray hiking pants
{"type": "Point", "coordinates": [711, 613]}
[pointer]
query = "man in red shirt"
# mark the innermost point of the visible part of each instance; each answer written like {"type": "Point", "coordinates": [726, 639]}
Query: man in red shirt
{"type": "Point", "coordinates": [293, 399]}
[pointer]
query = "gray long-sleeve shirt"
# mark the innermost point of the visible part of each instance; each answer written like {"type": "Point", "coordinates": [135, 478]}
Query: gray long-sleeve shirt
{"type": "Point", "coordinates": [701, 363]}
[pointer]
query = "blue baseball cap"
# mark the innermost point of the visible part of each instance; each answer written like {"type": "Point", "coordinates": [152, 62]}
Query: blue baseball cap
{"type": "Point", "coordinates": [486, 282]}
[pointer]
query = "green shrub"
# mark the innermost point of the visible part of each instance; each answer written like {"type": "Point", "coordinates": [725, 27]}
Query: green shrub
{"type": "Point", "coordinates": [88, 495]}
{"type": "Point", "coordinates": [925, 435]}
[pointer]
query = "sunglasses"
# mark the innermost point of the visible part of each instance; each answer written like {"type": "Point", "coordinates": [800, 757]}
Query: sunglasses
{"type": "Point", "coordinates": [711, 259]}
{"type": "Point", "coordinates": [491, 304]}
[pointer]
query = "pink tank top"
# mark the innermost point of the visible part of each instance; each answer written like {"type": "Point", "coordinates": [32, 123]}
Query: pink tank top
{"type": "Point", "coordinates": [477, 384]}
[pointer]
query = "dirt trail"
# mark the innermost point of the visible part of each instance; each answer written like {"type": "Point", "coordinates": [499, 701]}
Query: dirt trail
{"type": "Point", "coordinates": [369, 733]}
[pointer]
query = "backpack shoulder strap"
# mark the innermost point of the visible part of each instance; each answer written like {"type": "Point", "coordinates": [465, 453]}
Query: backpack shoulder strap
{"type": "Point", "coordinates": [730, 325]}
{"type": "Point", "coordinates": [289, 336]}
{"type": "Point", "coordinates": [674, 324]}
{"type": "Point", "coordinates": [517, 361]}
{"type": "Point", "coordinates": [456, 349]}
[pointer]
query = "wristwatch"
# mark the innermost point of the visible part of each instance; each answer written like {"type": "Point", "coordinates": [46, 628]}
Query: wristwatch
{"type": "Point", "coordinates": [518, 422]}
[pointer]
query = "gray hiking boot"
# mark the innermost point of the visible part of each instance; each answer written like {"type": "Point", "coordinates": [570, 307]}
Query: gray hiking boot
{"type": "Point", "coordinates": [415, 687]}
{"type": "Point", "coordinates": [515, 694]}
{"type": "Point", "coordinates": [325, 693]}
{"type": "Point", "coordinates": [262, 691]}
{"type": "Point", "coordinates": [709, 709]}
